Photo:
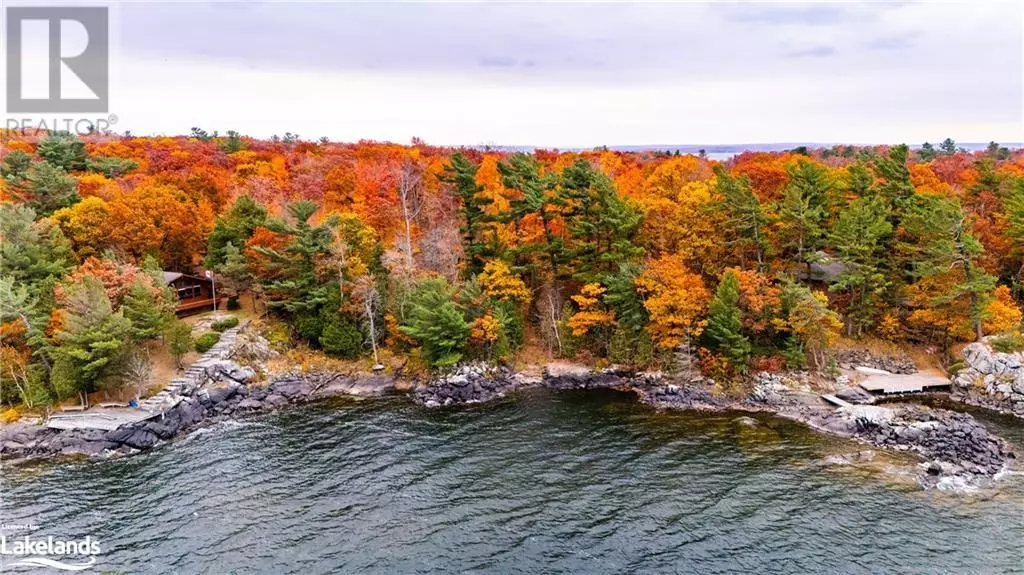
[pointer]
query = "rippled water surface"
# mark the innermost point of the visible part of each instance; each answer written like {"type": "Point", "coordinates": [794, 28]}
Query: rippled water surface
{"type": "Point", "coordinates": [542, 483]}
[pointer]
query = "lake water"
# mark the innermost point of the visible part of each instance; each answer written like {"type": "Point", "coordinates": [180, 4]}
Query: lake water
{"type": "Point", "coordinates": [545, 482]}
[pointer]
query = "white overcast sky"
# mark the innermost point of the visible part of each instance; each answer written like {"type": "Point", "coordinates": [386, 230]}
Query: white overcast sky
{"type": "Point", "coordinates": [575, 74]}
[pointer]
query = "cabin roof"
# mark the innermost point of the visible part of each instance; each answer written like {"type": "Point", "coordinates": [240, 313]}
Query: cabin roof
{"type": "Point", "coordinates": [170, 277]}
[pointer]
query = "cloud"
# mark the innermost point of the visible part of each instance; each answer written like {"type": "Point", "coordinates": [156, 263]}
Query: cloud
{"type": "Point", "coordinates": [812, 52]}
{"type": "Point", "coordinates": [821, 14]}
{"type": "Point", "coordinates": [891, 43]}
{"type": "Point", "coordinates": [498, 62]}
{"type": "Point", "coordinates": [682, 59]}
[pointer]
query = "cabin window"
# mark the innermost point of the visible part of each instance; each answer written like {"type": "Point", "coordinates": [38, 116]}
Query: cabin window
{"type": "Point", "coordinates": [189, 292]}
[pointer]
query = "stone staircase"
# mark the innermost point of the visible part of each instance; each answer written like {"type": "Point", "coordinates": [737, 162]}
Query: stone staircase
{"type": "Point", "coordinates": [194, 375]}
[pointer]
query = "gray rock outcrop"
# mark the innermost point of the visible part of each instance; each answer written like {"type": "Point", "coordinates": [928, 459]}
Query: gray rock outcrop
{"type": "Point", "coordinates": [991, 379]}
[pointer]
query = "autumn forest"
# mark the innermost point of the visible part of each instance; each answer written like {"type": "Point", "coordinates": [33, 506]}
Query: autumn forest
{"type": "Point", "coordinates": [442, 255]}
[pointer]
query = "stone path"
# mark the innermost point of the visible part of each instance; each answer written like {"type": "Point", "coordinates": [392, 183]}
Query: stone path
{"type": "Point", "coordinates": [109, 419]}
{"type": "Point", "coordinates": [194, 375]}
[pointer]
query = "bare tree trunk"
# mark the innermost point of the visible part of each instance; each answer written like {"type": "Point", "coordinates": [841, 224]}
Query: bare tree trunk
{"type": "Point", "coordinates": [373, 327]}
{"type": "Point", "coordinates": [554, 323]}
{"type": "Point", "coordinates": [409, 189]}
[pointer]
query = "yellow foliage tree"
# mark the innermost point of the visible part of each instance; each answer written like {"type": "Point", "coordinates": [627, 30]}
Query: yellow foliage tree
{"type": "Point", "coordinates": [1002, 314]}
{"type": "Point", "coordinates": [87, 224]}
{"type": "Point", "coordinates": [815, 325]}
{"type": "Point", "coordinates": [676, 300]}
{"type": "Point", "coordinates": [498, 282]}
{"type": "Point", "coordinates": [592, 313]}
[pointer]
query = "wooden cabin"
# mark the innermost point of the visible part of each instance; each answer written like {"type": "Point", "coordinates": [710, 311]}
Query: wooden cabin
{"type": "Point", "coordinates": [195, 293]}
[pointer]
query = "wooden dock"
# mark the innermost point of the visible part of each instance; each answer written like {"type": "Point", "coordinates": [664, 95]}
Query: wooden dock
{"type": "Point", "coordinates": [105, 419]}
{"type": "Point", "coordinates": [895, 384]}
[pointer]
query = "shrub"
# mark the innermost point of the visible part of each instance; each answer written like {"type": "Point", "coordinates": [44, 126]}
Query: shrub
{"type": "Point", "coordinates": [956, 368]}
{"type": "Point", "coordinates": [629, 347]}
{"type": "Point", "coordinates": [10, 416]}
{"type": "Point", "coordinates": [206, 341]}
{"type": "Point", "coordinates": [225, 324]}
{"type": "Point", "coordinates": [1008, 343]}
{"type": "Point", "coordinates": [234, 304]}
{"type": "Point", "coordinates": [277, 335]}
{"type": "Point", "coordinates": [769, 363]}
{"type": "Point", "coordinates": [341, 338]}
{"type": "Point", "coordinates": [309, 327]}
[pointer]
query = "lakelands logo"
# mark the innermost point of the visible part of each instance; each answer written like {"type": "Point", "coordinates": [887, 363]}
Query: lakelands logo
{"type": "Point", "coordinates": [61, 554]}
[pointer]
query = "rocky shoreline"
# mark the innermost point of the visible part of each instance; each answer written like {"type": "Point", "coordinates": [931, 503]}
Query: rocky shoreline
{"type": "Point", "coordinates": [951, 445]}
{"type": "Point", "coordinates": [991, 379]}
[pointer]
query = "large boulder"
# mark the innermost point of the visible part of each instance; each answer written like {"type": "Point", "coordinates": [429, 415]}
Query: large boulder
{"type": "Point", "coordinates": [229, 371]}
{"type": "Point", "coordinates": [468, 383]}
{"type": "Point", "coordinates": [136, 437]}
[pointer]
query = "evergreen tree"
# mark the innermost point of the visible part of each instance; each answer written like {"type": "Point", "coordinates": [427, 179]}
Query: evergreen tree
{"type": "Point", "coordinates": [341, 338]}
{"type": "Point", "coordinates": [522, 172]}
{"type": "Point", "coordinates": [724, 331]}
{"type": "Point", "coordinates": [178, 335]}
{"type": "Point", "coordinates": [49, 188]}
{"type": "Point", "coordinates": [895, 186]}
{"type": "Point", "coordinates": [746, 215]}
{"type": "Point", "coordinates": [859, 240]}
{"type": "Point", "coordinates": [948, 147]}
{"type": "Point", "coordinates": [296, 288]}
{"type": "Point", "coordinates": [927, 152]}
{"type": "Point", "coordinates": [33, 253]}
{"type": "Point", "coordinates": [233, 274]}
{"type": "Point", "coordinates": [461, 174]}
{"type": "Point", "coordinates": [437, 322]}
{"type": "Point", "coordinates": [1014, 206]}
{"type": "Point", "coordinates": [945, 244]}
{"type": "Point", "coordinates": [602, 224]}
{"type": "Point", "coordinates": [235, 227]}
{"type": "Point", "coordinates": [111, 167]}
{"type": "Point", "coordinates": [15, 167]}
{"type": "Point", "coordinates": [148, 312]}
{"type": "Point", "coordinates": [91, 338]}
{"type": "Point", "coordinates": [803, 209]}
{"type": "Point", "coordinates": [63, 150]}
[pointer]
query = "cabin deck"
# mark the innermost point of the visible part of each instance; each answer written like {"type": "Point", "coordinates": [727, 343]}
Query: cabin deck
{"type": "Point", "coordinates": [200, 303]}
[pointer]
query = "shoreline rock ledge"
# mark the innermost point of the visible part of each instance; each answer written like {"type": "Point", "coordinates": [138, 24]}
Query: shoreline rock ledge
{"type": "Point", "coordinates": [991, 379]}
{"type": "Point", "coordinates": [470, 383]}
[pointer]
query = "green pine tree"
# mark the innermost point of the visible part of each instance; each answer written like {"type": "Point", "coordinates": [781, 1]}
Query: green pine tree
{"type": "Point", "coordinates": [148, 312]}
{"type": "Point", "coordinates": [746, 215]}
{"type": "Point", "coordinates": [803, 209]}
{"type": "Point", "coordinates": [724, 331]}
{"type": "Point", "coordinates": [461, 174]}
{"type": "Point", "coordinates": [92, 338]}
{"type": "Point", "coordinates": [944, 243]}
{"type": "Point", "coordinates": [859, 239]}
{"type": "Point", "coordinates": [234, 227]}
{"type": "Point", "coordinates": [63, 150]}
{"type": "Point", "coordinates": [437, 322]}
{"type": "Point", "coordinates": [296, 287]}
{"type": "Point", "coordinates": [602, 224]}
